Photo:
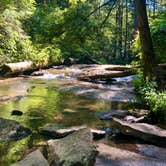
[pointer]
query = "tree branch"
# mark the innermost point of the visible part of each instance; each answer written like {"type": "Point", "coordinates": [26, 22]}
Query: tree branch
{"type": "Point", "coordinates": [99, 7]}
{"type": "Point", "coordinates": [108, 14]}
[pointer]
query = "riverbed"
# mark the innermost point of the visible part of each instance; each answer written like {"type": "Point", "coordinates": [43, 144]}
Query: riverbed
{"type": "Point", "coordinates": [58, 97]}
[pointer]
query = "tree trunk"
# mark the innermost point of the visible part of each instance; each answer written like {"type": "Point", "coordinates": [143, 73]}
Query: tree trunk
{"type": "Point", "coordinates": [148, 55]}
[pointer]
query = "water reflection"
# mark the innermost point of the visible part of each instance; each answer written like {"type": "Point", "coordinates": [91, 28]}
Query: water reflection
{"type": "Point", "coordinates": [43, 104]}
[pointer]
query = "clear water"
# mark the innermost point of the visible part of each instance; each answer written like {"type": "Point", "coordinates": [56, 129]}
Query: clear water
{"type": "Point", "coordinates": [45, 103]}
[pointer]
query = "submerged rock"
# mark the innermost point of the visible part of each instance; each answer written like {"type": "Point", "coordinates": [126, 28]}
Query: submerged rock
{"type": "Point", "coordinates": [146, 132]}
{"type": "Point", "coordinates": [33, 159]}
{"type": "Point", "coordinates": [108, 115]}
{"type": "Point", "coordinates": [75, 149]}
{"type": "Point", "coordinates": [57, 131]}
{"type": "Point", "coordinates": [17, 113]}
{"type": "Point", "coordinates": [12, 130]}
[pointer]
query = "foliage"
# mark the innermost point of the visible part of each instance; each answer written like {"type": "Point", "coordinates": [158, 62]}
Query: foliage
{"type": "Point", "coordinates": [153, 98]}
{"type": "Point", "coordinates": [15, 45]}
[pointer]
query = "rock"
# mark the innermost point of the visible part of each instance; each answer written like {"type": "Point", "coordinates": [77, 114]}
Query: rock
{"type": "Point", "coordinates": [108, 115]}
{"type": "Point", "coordinates": [39, 73]}
{"type": "Point", "coordinates": [98, 134]}
{"type": "Point", "coordinates": [56, 131]}
{"type": "Point", "coordinates": [33, 159]}
{"type": "Point", "coordinates": [130, 118]}
{"type": "Point", "coordinates": [134, 119]}
{"type": "Point", "coordinates": [75, 149]}
{"type": "Point", "coordinates": [4, 98]}
{"type": "Point", "coordinates": [146, 132]}
{"type": "Point", "coordinates": [12, 130]}
{"type": "Point", "coordinates": [120, 157]}
{"type": "Point", "coordinates": [152, 151]}
{"type": "Point", "coordinates": [16, 112]}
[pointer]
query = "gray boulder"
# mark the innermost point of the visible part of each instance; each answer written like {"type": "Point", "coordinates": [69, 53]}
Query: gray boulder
{"type": "Point", "coordinates": [33, 159]}
{"type": "Point", "coordinates": [12, 130]}
{"type": "Point", "coordinates": [146, 132]}
{"type": "Point", "coordinates": [75, 149]}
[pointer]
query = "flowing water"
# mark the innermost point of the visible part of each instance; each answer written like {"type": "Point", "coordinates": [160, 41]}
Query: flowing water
{"type": "Point", "coordinates": [46, 100]}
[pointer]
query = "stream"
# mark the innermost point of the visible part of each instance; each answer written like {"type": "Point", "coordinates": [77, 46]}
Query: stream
{"type": "Point", "coordinates": [58, 97]}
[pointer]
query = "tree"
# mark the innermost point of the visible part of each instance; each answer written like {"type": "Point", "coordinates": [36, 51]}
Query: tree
{"type": "Point", "coordinates": [148, 55]}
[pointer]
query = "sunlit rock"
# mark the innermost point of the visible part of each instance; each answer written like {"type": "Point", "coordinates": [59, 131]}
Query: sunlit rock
{"type": "Point", "coordinates": [33, 159]}
{"type": "Point", "coordinates": [75, 149]}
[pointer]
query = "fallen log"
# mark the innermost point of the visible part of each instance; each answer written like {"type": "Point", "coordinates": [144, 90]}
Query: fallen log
{"type": "Point", "coordinates": [16, 67]}
{"type": "Point", "coordinates": [106, 75]}
{"type": "Point", "coordinates": [21, 67]}
{"type": "Point", "coordinates": [120, 67]}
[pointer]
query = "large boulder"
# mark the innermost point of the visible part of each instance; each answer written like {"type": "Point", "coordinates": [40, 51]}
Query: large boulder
{"type": "Point", "coordinates": [12, 130]}
{"type": "Point", "coordinates": [146, 132]}
{"type": "Point", "coordinates": [75, 149]}
{"type": "Point", "coordinates": [33, 159]}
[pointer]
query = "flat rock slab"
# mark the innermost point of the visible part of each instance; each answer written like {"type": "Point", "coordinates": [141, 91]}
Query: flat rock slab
{"type": "Point", "coordinates": [119, 157]}
{"type": "Point", "coordinates": [56, 131]}
{"type": "Point", "coordinates": [146, 132]}
{"type": "Point", "coordinates": [33, 159]}
{"type": "Point", "coordinates": [12, 130]}
{"type": "Point", "coordinates": [75, 149]}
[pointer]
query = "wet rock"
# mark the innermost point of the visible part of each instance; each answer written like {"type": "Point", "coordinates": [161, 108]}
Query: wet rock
{"type": "Point", "coordinates": [17, 113]}
{"type": "Point", "coordinates": [108, 115]}
{"type": "Point", "coordinates": [39, 73]}
{"type": "Point", "coordinates": [7, 98]}
{"type": "Point", "coordinates": [152, 151]}
{"type": "Point", "coordinates": [98, 134]}
{"type": "Point", "coordinates": [119, 157]}
{"type": "Point", "coordinates": [4, 98]}
{"type": "Point", "coordinates": [57, 131]}
{"type": "Point", "coordinates": [146, 132]}
{"type": "Point", "coordinates": [33, 159]}
{"type": "Point", "coordinates": [12, 130]}
{"type": "Point", "coordinates": [75, 149]}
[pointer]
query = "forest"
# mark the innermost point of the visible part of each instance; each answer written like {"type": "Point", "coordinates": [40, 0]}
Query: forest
{"type": "Point", "coordinates": [75, 69]}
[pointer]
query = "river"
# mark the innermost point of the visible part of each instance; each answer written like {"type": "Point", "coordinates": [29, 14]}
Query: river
{"type": "Point", "coordinates": [58, 98]}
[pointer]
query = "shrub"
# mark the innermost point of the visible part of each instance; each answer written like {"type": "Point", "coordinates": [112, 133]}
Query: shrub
{"type": "Point", "coordinates": [153, 98]}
